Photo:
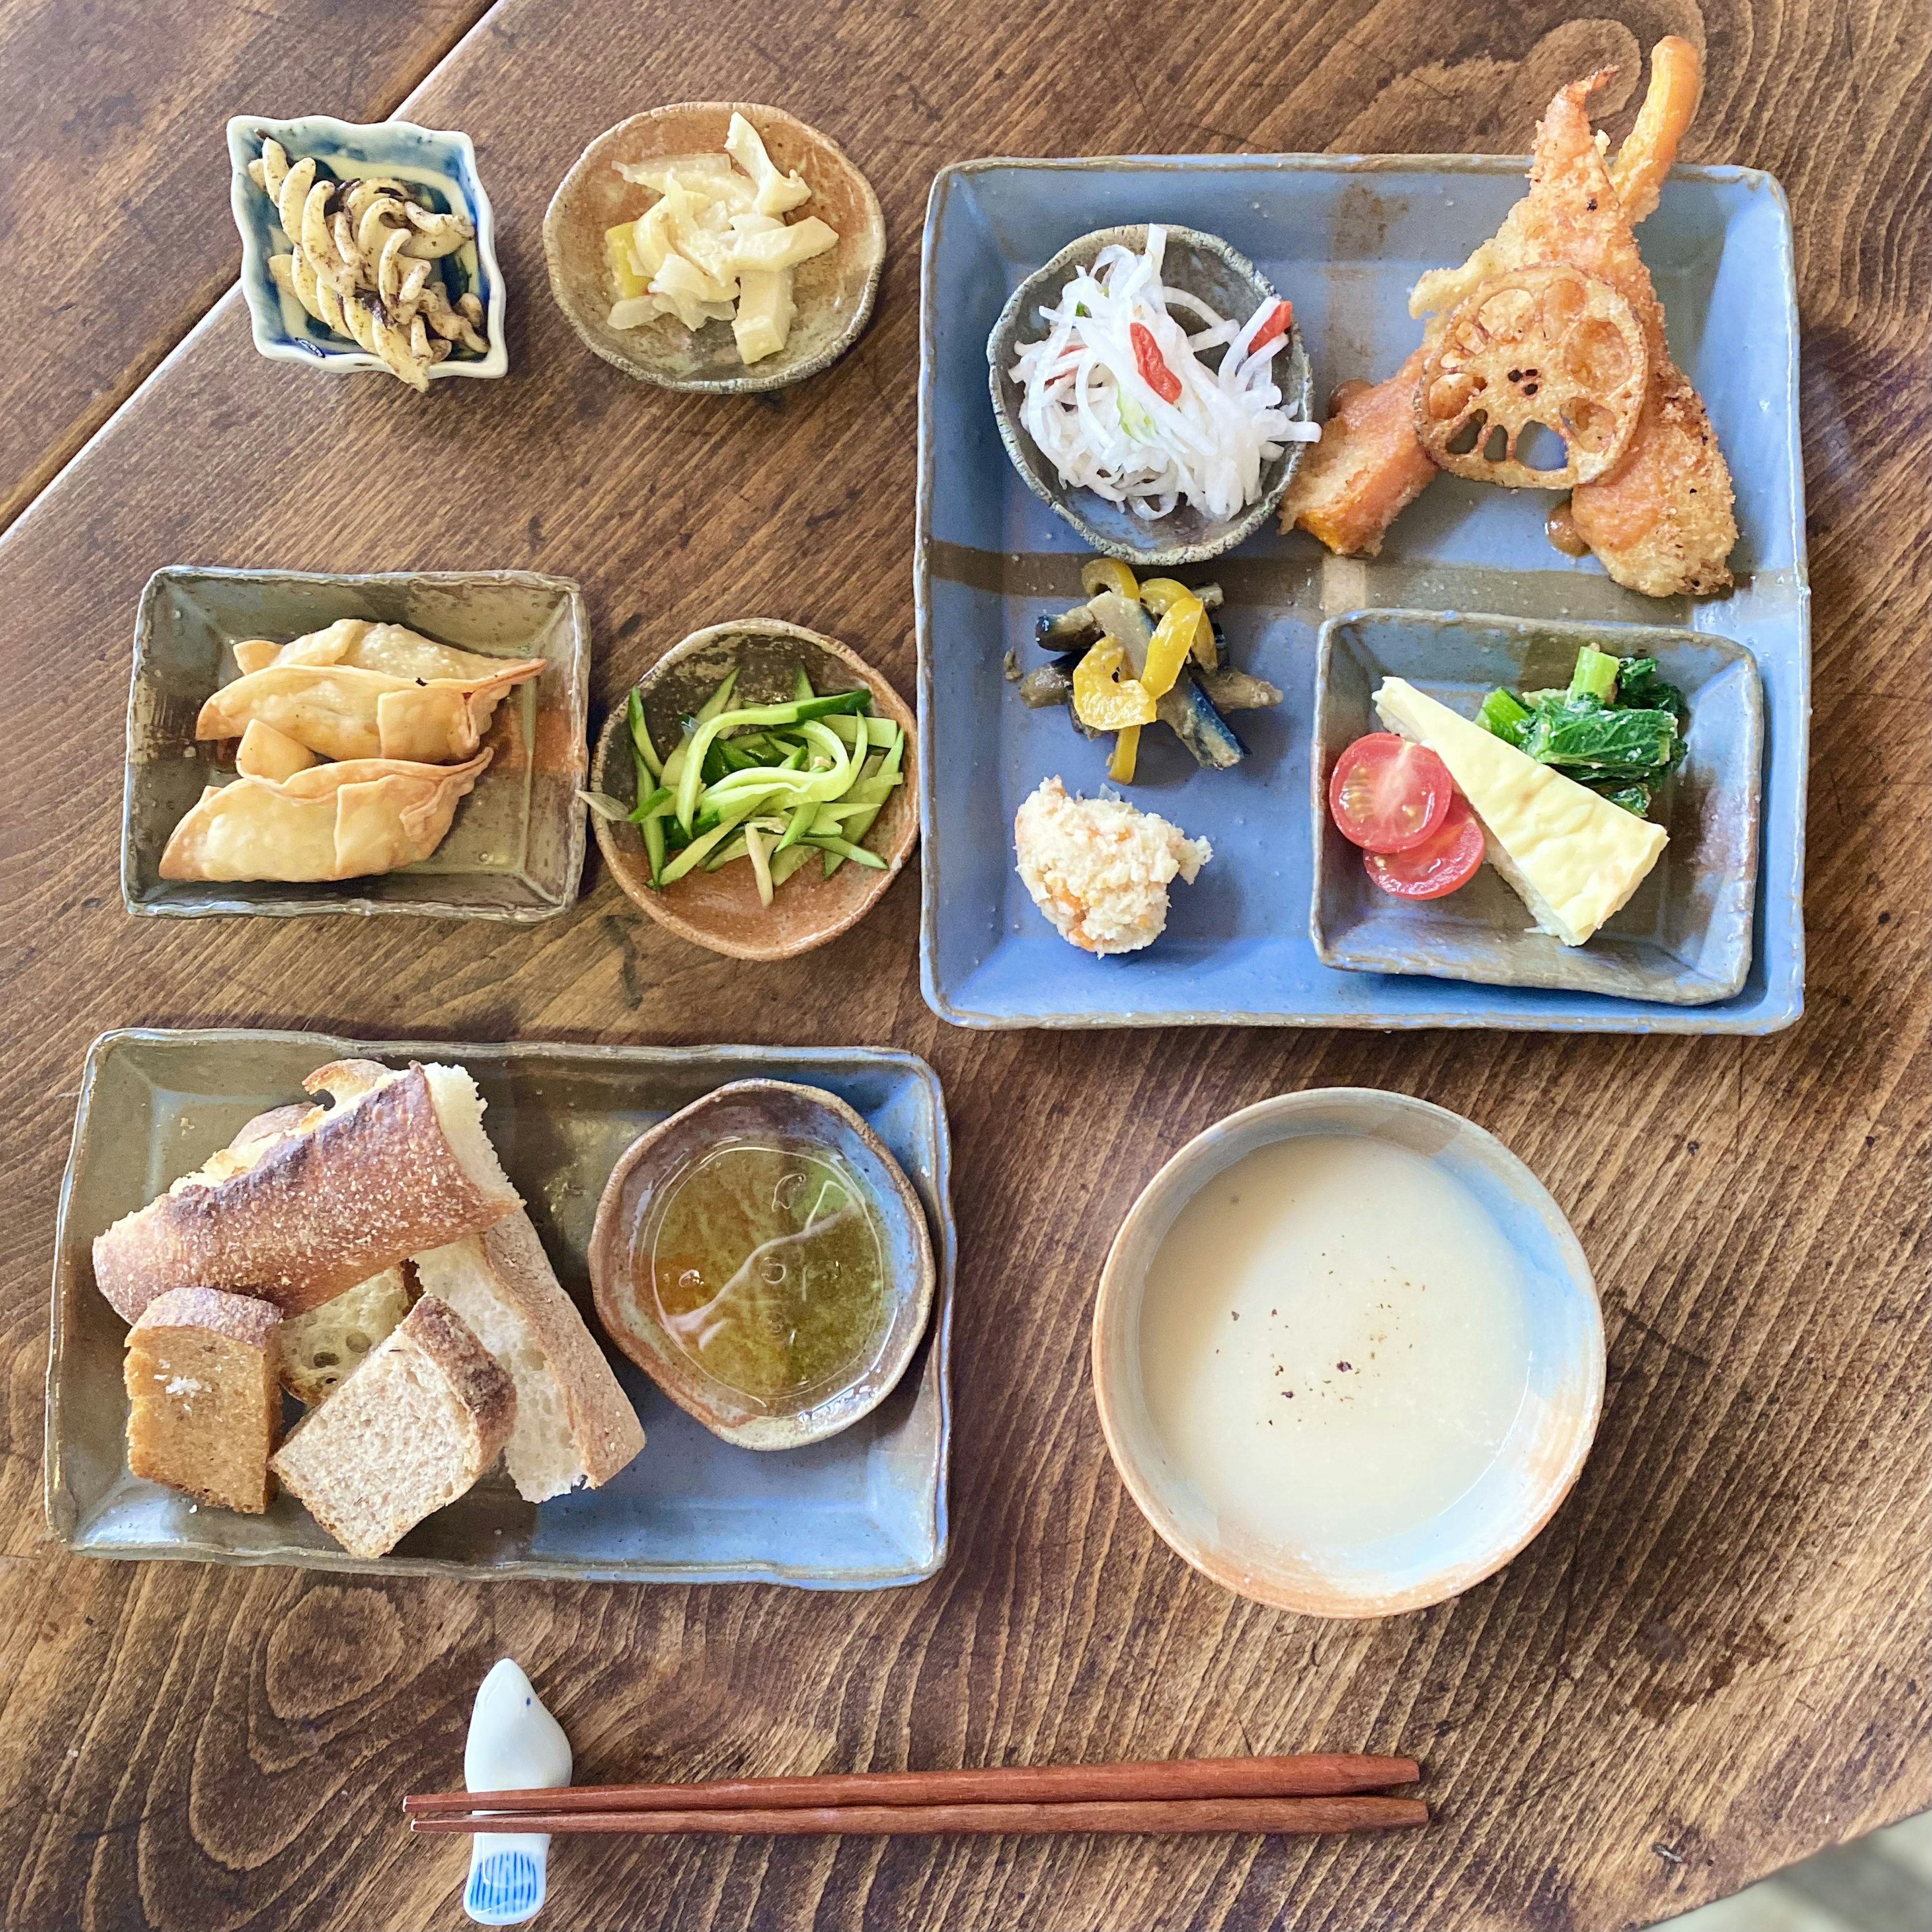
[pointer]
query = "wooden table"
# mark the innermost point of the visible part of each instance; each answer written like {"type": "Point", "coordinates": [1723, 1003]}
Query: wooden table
{"type": "Point", "coordinates": [1713, 1661]}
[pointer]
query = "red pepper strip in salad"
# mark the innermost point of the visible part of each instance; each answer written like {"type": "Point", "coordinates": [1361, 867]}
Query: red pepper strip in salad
{"type": "Point", "coordinates": [1276, 324]}
{"type": "Point", "coordinates": [1154, 371]}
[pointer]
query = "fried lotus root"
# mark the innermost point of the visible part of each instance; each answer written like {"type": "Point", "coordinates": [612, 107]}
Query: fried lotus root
{"type": "Point", "coordinates": [1548, 346]}
{"type": "Point", "coordinates": [337, 821]}
{"type": "Point", "coordinates": [344, 711]}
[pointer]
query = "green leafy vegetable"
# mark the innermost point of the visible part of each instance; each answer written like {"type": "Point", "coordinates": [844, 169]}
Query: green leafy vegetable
{"type": "Point", "coordinates": [1618, 728]}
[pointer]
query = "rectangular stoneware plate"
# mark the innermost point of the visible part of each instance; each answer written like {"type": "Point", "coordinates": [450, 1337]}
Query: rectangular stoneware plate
{"type": "Point", "coordinates": [1685, 937]}
{"type": "Point", "coordinates": [863, 1509]}
{"type": "Point", "coordinates": [515, 851]}
{"type": "Point", "coordinates": [1344, 237]}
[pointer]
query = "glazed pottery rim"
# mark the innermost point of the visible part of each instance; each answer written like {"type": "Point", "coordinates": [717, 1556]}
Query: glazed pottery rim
{"type": "Point", "coordinates": [912, 1305]}
{"type": "Point", "coordinates": [351, 358]}
{"type": "Point", "coordinates": [1118, 1280]}
{"type": "Point", "coordinates": [658, 905]}
{"type": "Point", "coordinates": [1058, 497]}
{"type": "Point", "coordinates": [746, 380]}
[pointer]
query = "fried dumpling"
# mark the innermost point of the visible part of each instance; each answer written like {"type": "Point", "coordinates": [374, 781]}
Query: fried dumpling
{"type": "Point", "coordinates": [394, 650]}
{"type": "Point", "coordinates": [266, 753]}
{"type": "Point", "coordinates": [335, 821]}
{"type": "Point", "coordinates": [346, 711]}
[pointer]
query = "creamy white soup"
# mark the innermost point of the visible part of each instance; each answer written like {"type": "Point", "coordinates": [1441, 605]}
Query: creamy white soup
{"type": "Point", "coordinates": [1332, 1343]}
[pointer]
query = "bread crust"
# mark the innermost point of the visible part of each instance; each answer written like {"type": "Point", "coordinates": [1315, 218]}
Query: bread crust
{"type": "Point", "coordinates": [363, 1187]}
{"type": "Point", "coordinates": [443, 1342]}
{"type": "Point", "coordinates": [241, 1318]}
{"type": "Point", "coordinates": [604, 1430]}
{"type": "Point", "coordinates": [480, 1381]}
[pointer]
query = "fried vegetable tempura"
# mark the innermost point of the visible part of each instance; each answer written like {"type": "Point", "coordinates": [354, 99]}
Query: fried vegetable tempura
{"type": "Point", "coordinates": [1661, 521]}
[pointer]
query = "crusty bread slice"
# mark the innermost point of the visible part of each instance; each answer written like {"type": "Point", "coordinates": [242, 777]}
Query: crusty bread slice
{"type": "Point", "coordinates": [575, 1423]}
{"type": "Point", "coordinates": [204, 1406]}
{"type": "Point", "coordinates": [322, 1348]}
{"type": "Point", "coordinates": [323, 1203]}
{"type": "Point", "coordinates": [408, 1432]}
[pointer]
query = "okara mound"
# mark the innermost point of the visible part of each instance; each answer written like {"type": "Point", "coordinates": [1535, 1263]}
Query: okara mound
{"type": "Point", "coordinates": [410, 1431]}
{"type": "Point", "coordinates": [204, 1406]}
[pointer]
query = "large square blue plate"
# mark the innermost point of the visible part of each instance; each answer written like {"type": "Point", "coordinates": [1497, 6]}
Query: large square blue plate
{"type": "Point", "coordinates": [1345, 237]}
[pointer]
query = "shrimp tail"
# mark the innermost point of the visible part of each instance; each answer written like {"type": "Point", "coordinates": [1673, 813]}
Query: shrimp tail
{"type": "Point", "coordinates": [1676, 85]}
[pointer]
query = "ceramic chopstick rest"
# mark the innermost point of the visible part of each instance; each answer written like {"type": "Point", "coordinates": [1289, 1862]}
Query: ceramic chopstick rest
{"type": "Point", "coordinates": [514, 1745]}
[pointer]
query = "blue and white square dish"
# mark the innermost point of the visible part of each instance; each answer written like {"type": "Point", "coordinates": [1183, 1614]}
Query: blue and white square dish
{"type": "Point", "coordinates": [862, 1510]}
{"type": "Point", "coordinates": [1343, 237]}
{"type": "Point", "coordinates": [441, 167]}
{"type": "Point", "coordinates": [1684, 938]}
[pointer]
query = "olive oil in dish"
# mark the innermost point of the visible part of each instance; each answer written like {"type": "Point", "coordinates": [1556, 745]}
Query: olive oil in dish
{"type": "Point", "coordinates": [766, 1264]}
{"type": "Point", "coordinates": [1333, 1342]}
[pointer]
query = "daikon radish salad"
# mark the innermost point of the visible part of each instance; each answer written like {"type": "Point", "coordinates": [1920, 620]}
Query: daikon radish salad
{"type": "Point", "coordinates": [1118, 398]}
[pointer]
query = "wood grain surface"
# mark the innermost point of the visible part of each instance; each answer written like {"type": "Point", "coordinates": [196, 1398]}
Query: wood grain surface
{"type": "Point", "coordinates": [114, 224]}
{"type": "Point", "coordinates": [1711, 1662]}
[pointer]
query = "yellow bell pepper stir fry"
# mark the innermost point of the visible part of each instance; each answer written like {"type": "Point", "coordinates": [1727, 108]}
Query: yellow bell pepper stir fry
{"type": "Point", "coordinates": [1135, 655]}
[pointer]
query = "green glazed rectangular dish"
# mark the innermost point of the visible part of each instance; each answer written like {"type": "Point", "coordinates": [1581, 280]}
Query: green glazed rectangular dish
{"type": "Point", "coordinates": [515, 851]}
{"type": "Point", "coordinates": [861, 1510]}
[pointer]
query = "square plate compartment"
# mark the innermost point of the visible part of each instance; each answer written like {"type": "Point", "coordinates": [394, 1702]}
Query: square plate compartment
{"type": "Point", "coordinates": [516, 849]}
{"type": "Point", "coordinates": [1685, 936]}
{"type": "Point", "coordinates": [1345, 237]}
{"type": "Point", "coordinates": [864, 1509]}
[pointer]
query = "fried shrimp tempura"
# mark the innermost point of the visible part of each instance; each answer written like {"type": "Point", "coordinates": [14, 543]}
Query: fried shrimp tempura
{"type": "Point", "coordinates": [1661, 521]}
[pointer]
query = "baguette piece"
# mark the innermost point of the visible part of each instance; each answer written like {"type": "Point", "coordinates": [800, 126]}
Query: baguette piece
{"type": "Point", "coordinates": [575, 1423]}
{"type": "Point", "coordinates": [204, 1404]}
{"type": "Point", "coordinates": [321, 1349]}
{"type": "Point", "coordinates": [408, 1432]}
{"type": "Point", "coordinates": [321, 1204]}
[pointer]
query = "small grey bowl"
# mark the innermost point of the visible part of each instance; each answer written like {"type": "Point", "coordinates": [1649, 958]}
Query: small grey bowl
{"type": "Point", "coordinates": [1206, 266]}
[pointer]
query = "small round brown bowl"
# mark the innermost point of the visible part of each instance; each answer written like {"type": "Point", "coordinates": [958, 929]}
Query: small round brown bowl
{"type": "Point", "coordinates": [721, 909]}
{"type": "Point", "coordinates": [833, 292]}
{"type": "Point", "coordinates": [760, 1109]}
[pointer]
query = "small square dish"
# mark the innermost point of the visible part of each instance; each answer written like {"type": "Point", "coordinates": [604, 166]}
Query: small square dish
{"type": "Point", "coordinates": [439, 170]}
{"type": "Point", "coordinates": [515, 851]}
{"type": "Point", "coordinates": [861, 1510]}
{"type": "Point", "coordinates": [1685, 937]}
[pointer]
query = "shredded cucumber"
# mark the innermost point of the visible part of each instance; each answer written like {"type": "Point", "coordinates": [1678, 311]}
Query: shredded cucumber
{"type": "Point", "coordinates": [773, 784]}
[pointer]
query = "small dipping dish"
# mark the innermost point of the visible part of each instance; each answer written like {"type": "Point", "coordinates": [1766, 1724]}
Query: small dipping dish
{"type": "Point", "coordinates": [763, 1258]}
{"type": "Point", "coordinates": [1347, 1353]}
{"type": "Point", "coordinates": [833, 292]}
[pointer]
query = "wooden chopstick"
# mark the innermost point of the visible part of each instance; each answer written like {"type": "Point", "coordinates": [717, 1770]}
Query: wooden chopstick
{"type": "Point", "coordinates": [1310, 1774]}
{"type": "Point", "coordinates": [1352, 1812]}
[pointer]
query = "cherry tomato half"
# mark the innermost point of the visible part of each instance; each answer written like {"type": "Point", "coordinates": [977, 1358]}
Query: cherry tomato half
{"type": "Point", "coordinates": [1439, 865]}
{"type": "Point", "coordinates": [1387, 793]}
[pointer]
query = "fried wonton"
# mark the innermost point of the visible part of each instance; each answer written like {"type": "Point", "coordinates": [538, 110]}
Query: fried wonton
{"type": "Point", "coordinates": [361, 690]}
{"type": "Point", "coordinates": [335, 821]}
{"type": "Point", "coordinates": [266, 753]}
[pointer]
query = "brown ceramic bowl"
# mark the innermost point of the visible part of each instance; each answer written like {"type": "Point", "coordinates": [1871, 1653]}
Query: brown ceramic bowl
{"type": "Point", "coordinates": [721, 909]}
{"type": "Point", "coordinates": [833, 292]}
{"type": "Point", "coordinates": [760, 1108]}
